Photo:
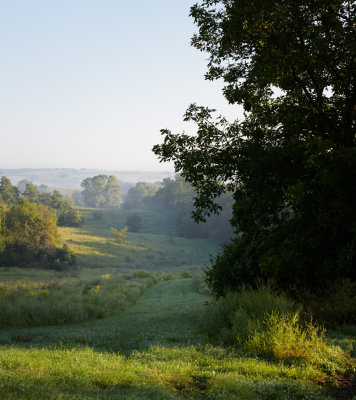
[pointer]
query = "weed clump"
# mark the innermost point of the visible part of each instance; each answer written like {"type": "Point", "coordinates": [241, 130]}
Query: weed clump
{"type": "Point", "coordinates": [232, 318]}
{"type": "Point", "coordinates": [283, 336]}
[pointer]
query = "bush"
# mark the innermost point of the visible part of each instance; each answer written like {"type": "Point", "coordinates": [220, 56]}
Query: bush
{"type": "Point", "coordinates": [120, 235]}
{"type": "Point", "coordinates": [134, 223]}
{"type": "Point", "coordinates": [29, 233]}
{"type": "Point", "coordinates": [70, 218]}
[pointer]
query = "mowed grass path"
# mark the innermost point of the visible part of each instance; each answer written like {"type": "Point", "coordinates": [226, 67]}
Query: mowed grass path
{"type": "Point", "coordinates": [154, 350]}
{"type": "Point", "coordinates": [169, 313]}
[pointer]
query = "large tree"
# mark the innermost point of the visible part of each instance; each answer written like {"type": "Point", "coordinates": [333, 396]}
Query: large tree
{"type": "Point", "coordinates": [102, 191]}
{"type": "Point", "coordinates": [291, 161]}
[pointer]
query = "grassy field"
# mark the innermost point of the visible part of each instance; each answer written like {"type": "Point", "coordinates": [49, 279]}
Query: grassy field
{"type": "Point", "coordinates": [38, 297]}
{"type": "Point", "coordinates": [157, 349]}
{"type": "Point", "coordinates": [109, 330]}
{"type": "Point", "coordinates": [94, 245]}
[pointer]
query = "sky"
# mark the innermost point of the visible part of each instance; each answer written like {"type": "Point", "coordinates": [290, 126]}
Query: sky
{"type": "Point", "coordinates": [90, 83]}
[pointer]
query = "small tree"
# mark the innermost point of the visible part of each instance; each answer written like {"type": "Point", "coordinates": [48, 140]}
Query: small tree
{"type": "Point", "coordinates": [120, 235]}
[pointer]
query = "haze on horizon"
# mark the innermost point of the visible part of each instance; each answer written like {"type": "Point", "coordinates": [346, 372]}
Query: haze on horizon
{"type": "Point", "coordinates": [89, 84]}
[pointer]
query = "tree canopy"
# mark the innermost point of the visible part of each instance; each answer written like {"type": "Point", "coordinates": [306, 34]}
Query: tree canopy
{"type": "Point", "coordinates": [101, 191]}
{"type": "Point", "coordinates": [9, 194]}
{"type": "Point", "coordinates": [29, 237]}
{"type": "Point", "coordinates": [140, 195]}
{"type": "Point", "coordinates": [290, 162]}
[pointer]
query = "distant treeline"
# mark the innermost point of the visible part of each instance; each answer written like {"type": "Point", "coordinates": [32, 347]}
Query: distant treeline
{"type": "Point", "coordinates": [62, 208]}
{"type": "Point", "coordinates": [174, 197]}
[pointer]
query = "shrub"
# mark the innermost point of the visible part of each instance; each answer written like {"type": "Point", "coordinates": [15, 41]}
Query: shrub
{"type": "Point", "coordinates": [134, 223]}
{"type": "Point", "coordinates": [120, 235]}
{"type": "Point", "coordinates": [30, 234]}
{"type": "Point", "coordinates": [70, 217]}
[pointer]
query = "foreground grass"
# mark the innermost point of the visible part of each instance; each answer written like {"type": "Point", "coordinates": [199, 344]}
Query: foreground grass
{"type": "Point", "coordinates": [156, 349]}
{"type": "Point", "coordinates": [159, 373]}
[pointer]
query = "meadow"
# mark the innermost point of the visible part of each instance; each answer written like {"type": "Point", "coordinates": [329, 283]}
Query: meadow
{"type": "Point", "coordinates": [107, 329]}
{"type": "Point", "coordinates": [151, 249]}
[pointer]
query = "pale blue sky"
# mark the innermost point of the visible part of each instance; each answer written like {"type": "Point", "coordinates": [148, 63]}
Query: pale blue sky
{"type": "Point", "coordinates": [89, 83]}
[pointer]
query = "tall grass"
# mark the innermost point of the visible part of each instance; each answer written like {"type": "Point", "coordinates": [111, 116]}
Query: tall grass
{"type": "Point", "coordinates": [268, 324]}
{"type": "Point", "coordinates": [285, 337]}
{"type": "Point", "coordinates": [231, 319]}
{"type": "Point", "coordinates": [72, 298]}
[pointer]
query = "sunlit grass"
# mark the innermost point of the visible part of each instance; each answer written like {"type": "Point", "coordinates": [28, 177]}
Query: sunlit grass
{"type": "Point", "coordinates": [158, 373]}
{"type": "Point", "coordinates": [96, 247]}
{"type": "Point", "coordinates": [155, 350]}
{"type": "Point", "coordinates": [143, 335]}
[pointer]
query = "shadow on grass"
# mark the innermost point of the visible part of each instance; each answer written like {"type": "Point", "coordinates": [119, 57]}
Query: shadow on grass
{"type": "Point", "coordinates": [41, 389]}
{"type": "Point", "coordinates": [131, 379]}
{"type": "Point", "coordinates": [97, 248]}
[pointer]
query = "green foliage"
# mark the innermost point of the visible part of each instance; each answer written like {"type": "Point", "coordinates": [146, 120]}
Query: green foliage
{"type": "Point", "coordinates": [77, 198]}
{"type": "Point", "coordinates": [282, 336]}
{"type": "Point", "coordinates": [153, 350]}
{"type": "Point", "coordinates": [93, 243]}
{"type": "Point", "coordinates": [291, 162]}
{"type": "Point", "coordinates": [140, 196]}
{"type": "Point", "coordinates": [29, 236]}
{"type": "Point", "coordinates": [174, 199]}
{"type": "Point", "coordinates": [31, 193]}
{"type": "Point", "coordinates": [264, 322]}
{"type": "Point", "coordinates": [66, 215]}
{"type": "Point", "coordinates": [22, 185]}
{"type": "Point", "coordinates": [65, 255]}
{"type": "Point", "coordinates": [9, 194]}
{"type": "Point", "coordinates": [70, 217]}
{"type": "Point", "coordinates": [120, 235]}
{"type": "Point", "coordinates": [333, 305]}
{"type": "Point", "coordinates": [134, 223]}
{"type": "Point", "coordinates": [101, 191]}
{"type": "Point", "coordinates": [232, 318]}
